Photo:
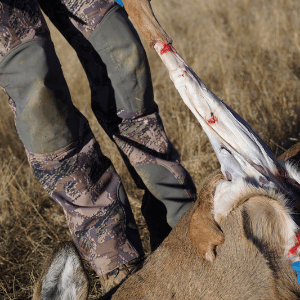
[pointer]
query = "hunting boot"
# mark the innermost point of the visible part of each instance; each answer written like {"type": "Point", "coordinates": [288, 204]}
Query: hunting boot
{"type": "Point", "coordinates": [111, 281]}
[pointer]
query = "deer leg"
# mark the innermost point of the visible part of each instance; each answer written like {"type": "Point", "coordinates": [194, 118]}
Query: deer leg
{"type": "Point", "coordinates": [141, 13]}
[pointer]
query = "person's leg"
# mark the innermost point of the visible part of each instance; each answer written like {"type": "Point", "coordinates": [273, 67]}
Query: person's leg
{"type": "Point", "coordinates": [123, 104]}
{"type": "Point", "coordinates": [169, 189]}
{"type": "Point", "coordinates": [61, 149]}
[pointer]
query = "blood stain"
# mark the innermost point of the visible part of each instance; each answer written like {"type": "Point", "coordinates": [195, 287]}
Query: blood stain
{"type": "Point", "coordinates": [167, 48]}
{"type": "Point", "coordinates": [213, 119]}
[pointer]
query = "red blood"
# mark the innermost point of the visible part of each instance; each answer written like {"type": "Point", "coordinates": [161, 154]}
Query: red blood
{"type": "Point", "coordinates": [293, 250]}
{"type": "Point", "coordinates": [184, 72]}
{"type": "Point", "coordinates": [213, 119]}
{"type": "Point", "coordinates": [283, 176]}
{"type": "Point", "coordinates": [167, 48]}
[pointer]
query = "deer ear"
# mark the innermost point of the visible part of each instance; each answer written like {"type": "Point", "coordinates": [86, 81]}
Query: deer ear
{"type": "Point", "coordinates": [63, 276]}
{"type": "Point", "coordinates": [272, 230]}
{"type": "Point", "coordinates": [205, 234]}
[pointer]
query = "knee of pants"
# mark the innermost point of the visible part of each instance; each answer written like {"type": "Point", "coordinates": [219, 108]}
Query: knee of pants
{"type": "Point", "coordinates": [31, 75]}
{"type": "Point", "coordinates": [117, 43]}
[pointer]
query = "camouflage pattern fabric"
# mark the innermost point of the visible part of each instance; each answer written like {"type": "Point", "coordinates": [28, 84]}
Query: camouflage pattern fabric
{"type": "Point", "coordinates": [20, 21]}
{"type": "Point", "coordinates": [130, 117]}
{"type": "Point", "coordinates": [83, 181]}
{"type": "Point", "coordinates": [79, 177]}
{"type": "Point", "coordinates": [86, 15]}
{"type": "Point", "coordinates": [157, 164]}
{"type": "Point", "coordinates": [144, 132]}
{"type": "Point", "coordinates": [82, 15]}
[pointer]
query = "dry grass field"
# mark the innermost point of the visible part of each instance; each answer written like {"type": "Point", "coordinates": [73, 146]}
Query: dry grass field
{"type": "Point", "coordinates": [246, 51]}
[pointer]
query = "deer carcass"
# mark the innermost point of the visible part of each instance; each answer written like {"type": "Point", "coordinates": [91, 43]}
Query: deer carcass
{"type": "Point", "coordinates": [239, 239]}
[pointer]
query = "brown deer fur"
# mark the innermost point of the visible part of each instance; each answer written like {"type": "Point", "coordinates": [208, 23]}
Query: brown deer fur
{"type": "Point", "coordinates": [248, 262]}
{"type": "Point", "coordinates": [248, 265]}
{"type": "Point", "coordinates": [205, 233]}
{"type": "Point", "coordinates": [142, 15]}
{"type": "Point", "coordinates": [292, 153]}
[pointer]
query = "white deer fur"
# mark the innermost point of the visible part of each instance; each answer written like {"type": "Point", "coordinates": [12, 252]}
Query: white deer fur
{"type": "Point", "coordinates": [292, 170]}
{"type": "Point", "coordinates": [63, 277]}
{"type": "Point", "coordinates": [229, 195]}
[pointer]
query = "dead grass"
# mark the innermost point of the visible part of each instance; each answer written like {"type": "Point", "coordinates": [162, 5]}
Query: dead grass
{"type": "Point", "coordinates": [247, 52]}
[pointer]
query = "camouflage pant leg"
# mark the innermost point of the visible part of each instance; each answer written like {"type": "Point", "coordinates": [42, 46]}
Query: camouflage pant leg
{"type": "Point", "coordinates": [169, 188]}
{"type": "Point", "coordinates": [85, 184]}
{"type": "Point", "coordinates": [75, 174]}
{"type": "Point", "coordinates": [138, 131]}
{"type": "Point", "coordinates": [26, 20]}
{"type": "Point", "coordinates": [122, 97]}
{"type": "Point", "coordinates": [83, 15]}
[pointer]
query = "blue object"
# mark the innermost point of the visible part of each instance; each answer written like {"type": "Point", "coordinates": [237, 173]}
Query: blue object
{"type": "Point", "coordinates": [296, 267]}
{"type": "Point", "coordinates": [119, 2]}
